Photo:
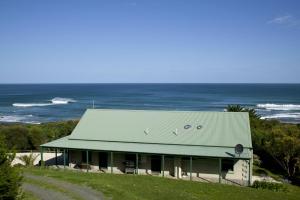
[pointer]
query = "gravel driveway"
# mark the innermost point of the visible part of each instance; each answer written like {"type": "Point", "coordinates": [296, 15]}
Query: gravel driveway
{"type": "Point", "coordinates": [44, 194]}
{"type": "Point", "coordinates": [80, 191]}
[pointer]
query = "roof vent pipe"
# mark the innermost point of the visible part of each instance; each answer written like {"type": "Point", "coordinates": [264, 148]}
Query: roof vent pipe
{"type": "Point", "coordinates": [175, 132]}
{"type": "Point", "coordinates": [146, 131]}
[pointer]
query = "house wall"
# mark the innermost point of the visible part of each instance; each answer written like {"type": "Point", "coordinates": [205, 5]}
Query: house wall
{"type": "Point", "coordinates": [49, 158]}
{"type": "Point", "coordinates": [118, 159]}
{"type": "Point", "coordinates": [95, 160]}
{"type": "Point", "coordinates": [177, 167]}
{"type": "Point", "coordinates": [74, 158]}
{"type": "Point", "coordinates": [169, 166]}
{"type": "Point", "coordinates": [205, 169]}
{"type": "Point", "coordinates": [239, 175]}
{"type": "Point", "coordinates": [144, 164]}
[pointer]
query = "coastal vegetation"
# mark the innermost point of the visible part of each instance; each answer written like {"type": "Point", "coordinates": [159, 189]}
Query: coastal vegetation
{"type": "Point", "coordinates": [10, 176]}
{"type": "Point", "coordinates": [22, 137]}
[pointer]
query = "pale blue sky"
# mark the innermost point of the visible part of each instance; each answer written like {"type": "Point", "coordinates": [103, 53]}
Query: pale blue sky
{"type": "Point", "coordinates": [58, 41]}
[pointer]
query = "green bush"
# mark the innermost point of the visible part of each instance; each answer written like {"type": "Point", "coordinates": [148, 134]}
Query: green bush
{"type": "Point", "coordinates": [256, 160]}
{"type": "Point", "coordinates": [277, 144]}
{"type": "Point", "coordinates": [10, 177]}
{"type": "Point", "coordinates": [31, 136]}
{"type": "Point", "coordinates": [269, 186]}
{"type": "Point", "coordinates": [19, 165]}
{"type": "Point", "coordinates": [28, 160]}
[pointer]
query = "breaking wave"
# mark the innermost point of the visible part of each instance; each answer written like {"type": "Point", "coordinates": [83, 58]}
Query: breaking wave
{"type": "Point", "coordinates": [58, 100]}
{"type": "Point", "coordinates": [17, 118]}
{"type": "Point", "coordinates": [269, 106]}
{"type": "Point", "coordinates": [31, 104]}
{"type": "Point", "coordinates": [54, 101]}
{"type": "Point", "coordinates": [282, 115]}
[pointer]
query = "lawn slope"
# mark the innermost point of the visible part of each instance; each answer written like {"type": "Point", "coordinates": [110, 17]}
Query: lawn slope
{"type": "Point", "coordinates": [121, 187]}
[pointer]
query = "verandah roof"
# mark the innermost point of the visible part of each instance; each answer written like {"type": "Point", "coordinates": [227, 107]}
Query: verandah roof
{"type": "Point", "coordinates": [167, 149]}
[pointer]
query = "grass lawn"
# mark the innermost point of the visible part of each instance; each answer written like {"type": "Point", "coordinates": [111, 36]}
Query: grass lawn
{"type": "Point", "coordinates": [29, 196]}
{"type": "Point", "coordinates": [143, 187]}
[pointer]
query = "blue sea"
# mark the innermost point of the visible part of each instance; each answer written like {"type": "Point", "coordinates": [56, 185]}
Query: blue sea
{"type": "Point", "coordinates": [38, 103]}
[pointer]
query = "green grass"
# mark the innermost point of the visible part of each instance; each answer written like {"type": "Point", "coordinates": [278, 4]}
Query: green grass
{"type": "Point", "coordinates": [132, 187]}
{"type": "Point", "coordinates": [29, 196]}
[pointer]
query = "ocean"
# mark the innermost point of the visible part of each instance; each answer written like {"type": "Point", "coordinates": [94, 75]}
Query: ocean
{"type": "Point", "coordinates": [38, 103]}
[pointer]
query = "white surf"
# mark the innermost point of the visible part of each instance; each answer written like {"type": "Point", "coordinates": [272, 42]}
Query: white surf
{"type": "Point", "coordinates": [270, 106]}
{"type": "Point", "coordinates": [54, 101]}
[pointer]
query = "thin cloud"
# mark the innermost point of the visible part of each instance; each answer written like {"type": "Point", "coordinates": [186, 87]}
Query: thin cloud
{"type": "Point", "coordinates": [133, 3]}
{"type": "Point", "coordinates": [287, 20]}
{"type": "Point", "coordinates": [281, 20]}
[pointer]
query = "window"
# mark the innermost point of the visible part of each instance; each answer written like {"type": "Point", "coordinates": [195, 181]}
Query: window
{"type": "Point", "coordinates": [227, 165]}
{"type": "Point", "coordinates": [83, 154]}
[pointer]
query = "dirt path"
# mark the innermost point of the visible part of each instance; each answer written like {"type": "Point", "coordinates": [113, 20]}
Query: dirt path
{"type": "Point", "coordinates": [44, 194]}
{"type": "Point", "coordinates": [80, 191]}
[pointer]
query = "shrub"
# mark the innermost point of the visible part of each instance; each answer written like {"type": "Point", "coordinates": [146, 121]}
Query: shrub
{"type": "Point", "coordinates": [10, 177]}
{"type": "Point", "coordinates": [256, 160]}
{"type": "Point", "coordinates": [28, 160]}
{"type": "Point", "coordinates": [269, 186]}
{"type": "Point", "coordinates": [19, 165]}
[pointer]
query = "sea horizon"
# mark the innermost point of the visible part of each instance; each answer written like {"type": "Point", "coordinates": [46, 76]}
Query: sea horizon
{"type": "Point", "coordinates": [38, 103]}
{"type": "Point", "coordinates": [87, 83]}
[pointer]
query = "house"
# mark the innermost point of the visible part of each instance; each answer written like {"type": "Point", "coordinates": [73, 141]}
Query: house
{"type": "Point", "coordinates": [204, 146]}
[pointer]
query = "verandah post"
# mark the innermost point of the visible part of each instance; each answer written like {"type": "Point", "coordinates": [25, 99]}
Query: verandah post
{"type": "Point", "coordinates": [64, 158]}
{"type": "Point", "coordinates": [163, 165]}
{"type": "Point", "coordinates": [191, 167]}
{"type": "Point", "coordinates": [220, 170]}
{"type": "Point", "coordinates": [87, 161]}
{"type": "Point", "coordinates": [136, 163]}
{"type": "Point", "coordinates": [42, 158]}
{"type": "Point", "coordinates": [55, 156]}
{"type": "Point", "coordinates": [111, 161]}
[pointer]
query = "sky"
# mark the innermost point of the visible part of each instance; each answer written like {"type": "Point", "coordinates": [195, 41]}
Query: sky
{"type": "Point", "coordinates": [176, 41]}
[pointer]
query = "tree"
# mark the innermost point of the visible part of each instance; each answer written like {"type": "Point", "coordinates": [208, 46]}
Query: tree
{"type": "Point", "coordinates": [284, 146]}
{"type": "Point", "coordinates": [238, 108]}
{"type": "Point", "coordinates": [10, 177]}
{"type": "Point", "coordinates": [278, 144]}
{"type": "Point", "coordinates": [16, 137]}
{"type": "Point", "coordinates": [235, 108]}
{"type": "Point", "coordinates": [36, 137]}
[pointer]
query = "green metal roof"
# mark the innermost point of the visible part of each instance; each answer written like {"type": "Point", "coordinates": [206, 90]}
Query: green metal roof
{"type": "Point", "coordinates": [210, 133]}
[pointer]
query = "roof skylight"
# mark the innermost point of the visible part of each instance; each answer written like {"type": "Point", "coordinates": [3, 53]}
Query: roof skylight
{"type": "Point", "coordinates": [187, 126]}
